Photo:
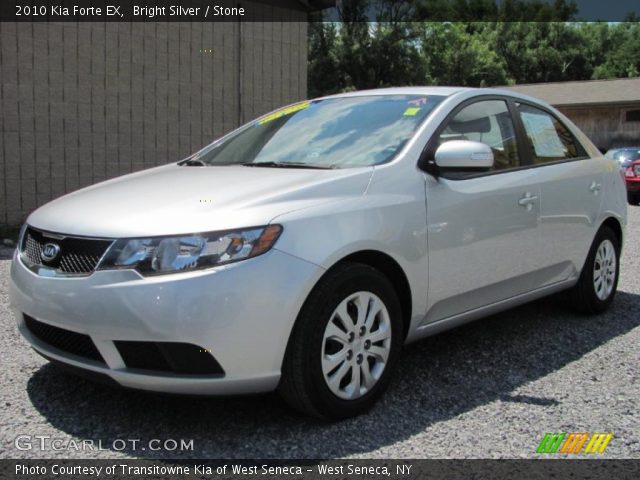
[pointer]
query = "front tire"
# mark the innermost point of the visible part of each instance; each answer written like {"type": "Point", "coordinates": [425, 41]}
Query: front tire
{"type": "Point", "coordinates": [598, 281]}
{"type": "Point", "coordinates": [633, 198]}
{"type": "Point", "coordinates": [344, 345]}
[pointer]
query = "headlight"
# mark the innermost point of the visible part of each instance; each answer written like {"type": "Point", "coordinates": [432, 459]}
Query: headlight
{"type": "Point", "coordinates": [158, 255]}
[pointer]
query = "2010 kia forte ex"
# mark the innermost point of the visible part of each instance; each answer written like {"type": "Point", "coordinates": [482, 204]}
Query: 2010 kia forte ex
{"type": "Point", "coordinates": [302, 250]}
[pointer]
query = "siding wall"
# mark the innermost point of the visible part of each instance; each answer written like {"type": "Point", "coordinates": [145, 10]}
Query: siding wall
{"type": "Point", "coordinates": [84, 102]}
{"type": "Point", "coordinates": [606, 126]}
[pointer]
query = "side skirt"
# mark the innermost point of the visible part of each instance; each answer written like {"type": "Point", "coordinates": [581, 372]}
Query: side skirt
{"type": "Point", "coordinates": [475, 314]}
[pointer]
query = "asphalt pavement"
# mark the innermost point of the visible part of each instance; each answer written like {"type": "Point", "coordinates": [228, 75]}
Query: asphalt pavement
{"type": "Point", "coordinates": [490, 389]}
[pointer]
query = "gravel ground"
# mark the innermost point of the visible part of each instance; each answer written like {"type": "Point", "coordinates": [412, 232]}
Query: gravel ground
{"type": "Point", "coordinates": [490, 389]}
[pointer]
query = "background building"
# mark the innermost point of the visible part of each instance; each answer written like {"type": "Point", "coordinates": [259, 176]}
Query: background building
{"type": "Point", "coordinates": [84, 102]}
{"type": "Point", "coordinates": [607, 111]}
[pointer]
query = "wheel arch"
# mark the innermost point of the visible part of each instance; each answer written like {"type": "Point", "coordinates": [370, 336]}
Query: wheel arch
{"type": "Point", "coordinates": [614, 224]}
{"type": "Point", "coordinates": [391, 269]}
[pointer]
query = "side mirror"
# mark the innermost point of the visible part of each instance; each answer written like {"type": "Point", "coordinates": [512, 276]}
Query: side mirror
{"type": "Point", "coordinates": [464, 154]}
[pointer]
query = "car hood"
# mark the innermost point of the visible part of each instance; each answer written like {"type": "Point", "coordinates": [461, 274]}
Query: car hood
{"type": "Point", "coordinates": [176, 199]}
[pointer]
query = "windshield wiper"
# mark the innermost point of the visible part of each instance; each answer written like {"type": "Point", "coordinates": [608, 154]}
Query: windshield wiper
{"type": "Point", "coordinates": [192, 162]}
{"type": "Point", "coordinates": [288, 165]}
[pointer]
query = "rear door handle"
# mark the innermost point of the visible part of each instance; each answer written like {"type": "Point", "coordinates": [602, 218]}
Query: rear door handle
{"type": "Point", "coordinates": [528, 200]}
{"type": "Point", "coordinates": [595, 187]}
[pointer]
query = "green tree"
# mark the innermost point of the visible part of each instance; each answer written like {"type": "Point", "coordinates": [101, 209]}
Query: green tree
{"type": "Point", "coordinates": [397, 47]}
{"type": "Point", "coordinates": [355, 54]}
{"type": "Point", "coordinates": [394, 55]}
{"type": "Point", "coordinates": [454, 57]}
{"type": "Point", "coordinates": [622, 59]}
{"type": "Point", "coordinates": [323, 66]}
{"type": "Point", "coordinates": [543, 51]}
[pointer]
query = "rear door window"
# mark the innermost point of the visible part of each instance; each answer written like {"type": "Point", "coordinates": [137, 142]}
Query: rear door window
{"type": "Point", "coordinates": [548, 139]}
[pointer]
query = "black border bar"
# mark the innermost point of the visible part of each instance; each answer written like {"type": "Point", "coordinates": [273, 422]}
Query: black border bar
{"type": "Point", "coordinates": [134, 469]}
{"type": "Point", "coordinates": [316, 10]}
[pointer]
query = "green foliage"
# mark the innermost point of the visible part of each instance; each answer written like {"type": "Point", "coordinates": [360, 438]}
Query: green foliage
{"type": "Point", "coordinates": [323, 60]}
{"type": "Point", "coordinates": [452, 56]}
{"type": "Point", "coordinates": [397, 50]}
{"type": "Point", "coordinates": [543, 52]}
{"type": "Point", "coordinates": [623, 59]}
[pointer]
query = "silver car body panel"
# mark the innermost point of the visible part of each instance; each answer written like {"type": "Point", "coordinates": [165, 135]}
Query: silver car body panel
{"type": "Point", "coordinates": [460, 263]}
{"type": "Point", "coordinates": [205, 308]}
{"type": "Point", "coordinates": [173, 200]}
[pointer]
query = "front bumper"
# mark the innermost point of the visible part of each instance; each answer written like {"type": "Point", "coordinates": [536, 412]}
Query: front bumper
{"type": "Point", "coordinates": [242, 313]}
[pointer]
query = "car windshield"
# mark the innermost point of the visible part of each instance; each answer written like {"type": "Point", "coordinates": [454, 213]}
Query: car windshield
{"type": "Point", "coordinates": [330, 133]}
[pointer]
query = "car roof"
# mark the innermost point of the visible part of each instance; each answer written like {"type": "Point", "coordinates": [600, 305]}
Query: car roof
{"type": "Point", "coordinates": [440, 91]}
{"type": "Point", "coordinates": [443, 91]}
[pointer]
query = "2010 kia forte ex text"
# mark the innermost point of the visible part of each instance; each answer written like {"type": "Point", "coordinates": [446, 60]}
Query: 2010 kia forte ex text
{"type": "Point", "coordinates": [301, 251]}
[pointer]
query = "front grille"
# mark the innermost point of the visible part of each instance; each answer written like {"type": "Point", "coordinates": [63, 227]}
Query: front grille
{"type": "Point", "coordinates": [65, 340]}
{"type": "Point", "coordinates": [169, 357]}
{"type": "Point", "coordinates": [78, 256]}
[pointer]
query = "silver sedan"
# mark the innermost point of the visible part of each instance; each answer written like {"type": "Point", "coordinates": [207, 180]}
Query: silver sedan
{"type": "Point", "coordinates": [303, 250]}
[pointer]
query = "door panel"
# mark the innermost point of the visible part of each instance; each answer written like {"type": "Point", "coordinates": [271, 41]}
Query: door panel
{"type": "Point", "coordinates": [571, 193]}
{"type": "Point", "coordinates": [483, 240]}
{"type": "Point", "coordinates": [571, 199]}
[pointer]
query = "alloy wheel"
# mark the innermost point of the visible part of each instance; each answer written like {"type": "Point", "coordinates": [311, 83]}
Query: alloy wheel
{"type": "Point", "coordinates": [356, 345]}
{"type": "Point", "coordinates": [604, 269]}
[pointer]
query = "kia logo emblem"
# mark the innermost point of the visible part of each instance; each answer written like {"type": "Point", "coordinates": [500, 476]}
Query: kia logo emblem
{"type": "Point", "coordinates": [49, 252]}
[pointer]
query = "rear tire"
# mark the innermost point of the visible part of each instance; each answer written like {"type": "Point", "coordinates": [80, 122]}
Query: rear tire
{"type": "Point", "coordinates": [598, 281]}
{"type": "Point", "coordinates": [344, 345]}
{"type": "Point", "coordinates": [633, 198]}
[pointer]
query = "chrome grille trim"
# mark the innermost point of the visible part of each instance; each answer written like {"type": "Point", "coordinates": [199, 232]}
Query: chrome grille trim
{"type": "Point", "coordinates": [79, 256]}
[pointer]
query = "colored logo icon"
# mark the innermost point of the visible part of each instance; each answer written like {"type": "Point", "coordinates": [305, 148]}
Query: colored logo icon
{"type": "Point", "coordinates": [576, 442]}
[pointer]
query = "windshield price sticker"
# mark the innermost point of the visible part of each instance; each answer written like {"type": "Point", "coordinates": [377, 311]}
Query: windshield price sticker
{"type": "Point", "coordinates": [283, 112]}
